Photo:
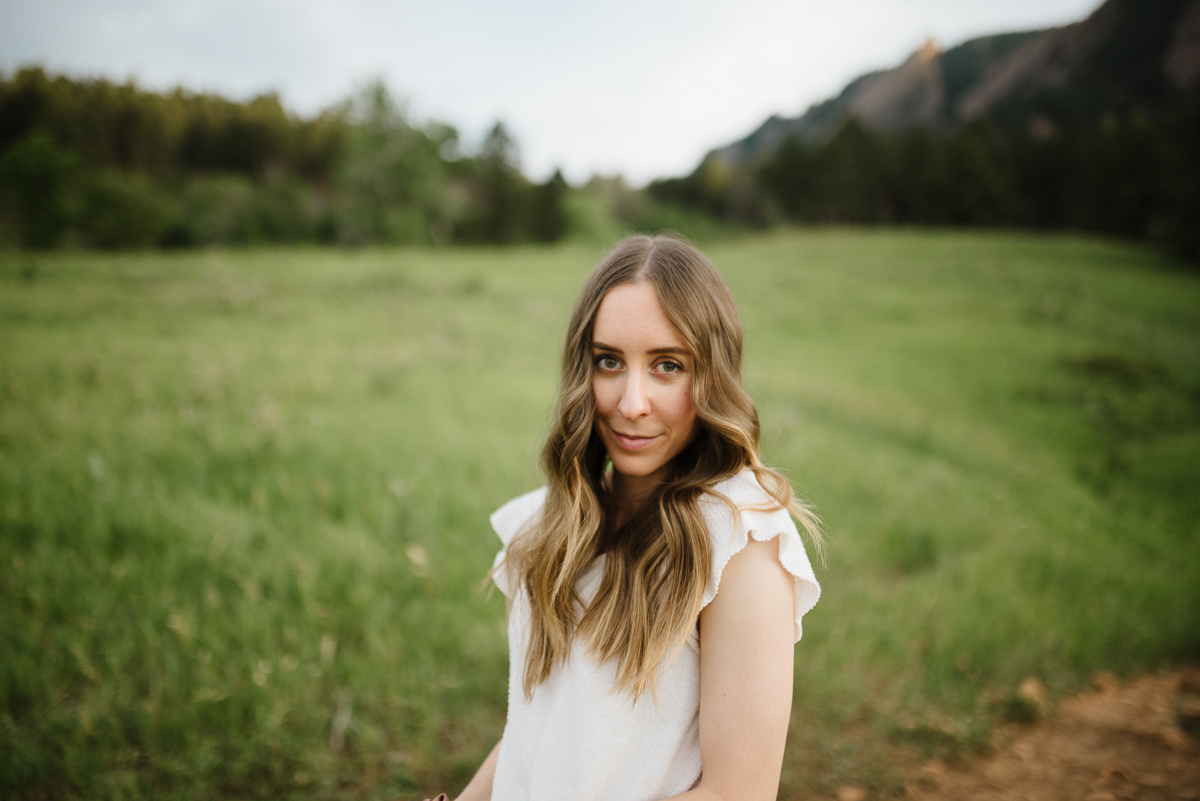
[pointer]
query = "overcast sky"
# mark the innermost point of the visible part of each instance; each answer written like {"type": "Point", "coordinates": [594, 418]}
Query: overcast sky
{"type": "Point", "coordinates": [639, 87]}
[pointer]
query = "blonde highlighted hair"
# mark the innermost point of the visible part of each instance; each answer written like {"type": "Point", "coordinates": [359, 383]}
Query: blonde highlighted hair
{"type": "Point", "coordinates": [658, 563]}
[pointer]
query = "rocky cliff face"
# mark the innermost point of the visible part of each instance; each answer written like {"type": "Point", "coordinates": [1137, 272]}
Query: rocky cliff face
{"type": "Point", "coordinates": [923, 91]}
{"type": "Point", "coordinates": [911, 94]}
{"type": "Point", "coordinates": [1128, 53]}
{"type": "Point", "coordinates": [1183, 58]}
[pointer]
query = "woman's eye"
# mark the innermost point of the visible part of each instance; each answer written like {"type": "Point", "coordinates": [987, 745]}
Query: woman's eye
{"type": "Point", "coordinates": [608, 363]}
{"type": "Point", "coordinates": [670, 367]}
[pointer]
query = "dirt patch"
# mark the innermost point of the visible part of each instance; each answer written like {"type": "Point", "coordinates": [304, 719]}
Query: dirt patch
{"type": "Point", "coordinates": [1132, 740]}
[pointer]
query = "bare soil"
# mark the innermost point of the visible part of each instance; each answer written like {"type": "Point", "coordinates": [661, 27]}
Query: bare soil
{"type": "Point", "coordinates": [1130, 740]}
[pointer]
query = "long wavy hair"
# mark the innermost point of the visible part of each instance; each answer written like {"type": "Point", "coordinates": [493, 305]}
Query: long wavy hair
{"type": "Point", "coordinates": [658, 562]}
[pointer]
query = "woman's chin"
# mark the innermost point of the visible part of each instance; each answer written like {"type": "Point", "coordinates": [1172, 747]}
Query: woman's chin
{"type": "Point", "coordinates": [637, 468]}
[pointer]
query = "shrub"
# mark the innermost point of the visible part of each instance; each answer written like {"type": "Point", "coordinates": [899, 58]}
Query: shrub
{"type": "Point", "coordinates": [121, 210]}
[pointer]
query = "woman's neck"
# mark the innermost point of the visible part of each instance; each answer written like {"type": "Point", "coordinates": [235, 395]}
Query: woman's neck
{"type": "Point", "coordinates": [631, 493]}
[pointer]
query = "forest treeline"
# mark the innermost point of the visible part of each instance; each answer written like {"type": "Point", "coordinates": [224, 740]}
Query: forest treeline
{"type": "Point", "coordinates": [100, 164]}
{"type": "Point", "coordinates": [93, 163]}
{"type": "Point", "coordinates": [1134, 175]}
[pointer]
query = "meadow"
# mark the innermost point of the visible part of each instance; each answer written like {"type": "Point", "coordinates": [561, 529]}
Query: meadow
{"type": "Point", "coordinates": [244, 498]}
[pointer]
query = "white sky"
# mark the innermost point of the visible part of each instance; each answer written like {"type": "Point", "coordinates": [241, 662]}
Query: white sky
{"type": "Point", "coordinates": [639, 87]}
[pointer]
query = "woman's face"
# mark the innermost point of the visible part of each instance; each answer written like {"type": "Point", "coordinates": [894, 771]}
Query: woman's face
{"type": "Point", "coordinates": [642, 380]}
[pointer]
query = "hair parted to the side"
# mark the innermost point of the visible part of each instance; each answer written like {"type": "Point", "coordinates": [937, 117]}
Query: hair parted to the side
{"type": "Point", "coordinates": [658, 564]}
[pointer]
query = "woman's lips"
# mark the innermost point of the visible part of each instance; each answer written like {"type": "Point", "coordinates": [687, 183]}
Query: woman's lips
{"type": "Point", "coordinates": [632, 443]}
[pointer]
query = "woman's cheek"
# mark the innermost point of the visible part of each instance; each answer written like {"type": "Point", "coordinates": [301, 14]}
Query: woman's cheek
{"type": "Point", "coordinates": [607, 392]}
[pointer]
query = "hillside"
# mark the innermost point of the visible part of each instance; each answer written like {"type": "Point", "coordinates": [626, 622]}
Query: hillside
{"type": "Point", "coordinates": [1128, 53]}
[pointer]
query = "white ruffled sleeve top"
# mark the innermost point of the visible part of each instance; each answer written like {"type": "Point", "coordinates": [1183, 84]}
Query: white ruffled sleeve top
{"type": "Point", "coordinates": [578, 739]}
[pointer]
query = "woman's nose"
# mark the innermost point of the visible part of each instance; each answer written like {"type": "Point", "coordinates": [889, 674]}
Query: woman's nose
{"type": "Point", "coordinates": [634, 403]}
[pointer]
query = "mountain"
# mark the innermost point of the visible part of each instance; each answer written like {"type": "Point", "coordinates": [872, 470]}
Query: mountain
{"type": "Point", "coordinates": [1127, 54]}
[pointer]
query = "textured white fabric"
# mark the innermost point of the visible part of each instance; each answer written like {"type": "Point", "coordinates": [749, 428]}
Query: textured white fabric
{"type": "Point", "coordinates": [579, 739]}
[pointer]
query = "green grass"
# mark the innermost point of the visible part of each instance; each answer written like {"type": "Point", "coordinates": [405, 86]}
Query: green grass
{"type": "Point", "coordinates": [244, 495]}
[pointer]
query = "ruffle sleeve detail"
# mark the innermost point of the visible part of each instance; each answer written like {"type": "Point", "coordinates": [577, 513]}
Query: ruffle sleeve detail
{"type": "Point", "coordinates": [507, 521]}
{"type": "Point", "coordinates": [730, 534]}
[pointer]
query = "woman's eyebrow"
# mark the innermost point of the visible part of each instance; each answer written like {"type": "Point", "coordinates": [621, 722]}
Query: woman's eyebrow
{"type": "Point", "coordinates": [680, 349]}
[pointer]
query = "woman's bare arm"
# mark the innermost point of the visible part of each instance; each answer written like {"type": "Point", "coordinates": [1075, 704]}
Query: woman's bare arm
{"type": "Point", "coordinates": [480, 787]}
{"type": "Point", "coordinates": [746, 650]}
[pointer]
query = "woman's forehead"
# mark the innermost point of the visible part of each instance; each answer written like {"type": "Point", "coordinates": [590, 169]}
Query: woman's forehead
{"type": "Point", "coordinates": [630, 317]}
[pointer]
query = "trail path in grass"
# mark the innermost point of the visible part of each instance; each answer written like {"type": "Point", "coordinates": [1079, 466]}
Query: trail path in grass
{"type": "Point", "coordinates": [1132, 740]}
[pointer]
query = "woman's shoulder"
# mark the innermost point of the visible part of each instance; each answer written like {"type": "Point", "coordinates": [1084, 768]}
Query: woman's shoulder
{"type": "Point", "coordinates": [739, 509]}
{"type": "Point", "coordinates": [512, 516]}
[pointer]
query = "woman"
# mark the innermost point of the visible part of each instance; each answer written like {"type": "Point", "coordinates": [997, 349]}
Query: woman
{"type": "Point", "coordinates": [656, 584]}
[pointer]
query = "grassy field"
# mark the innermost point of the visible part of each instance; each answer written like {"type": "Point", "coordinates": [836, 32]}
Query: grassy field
{"type": "Point", "coordinates": [244, 498]}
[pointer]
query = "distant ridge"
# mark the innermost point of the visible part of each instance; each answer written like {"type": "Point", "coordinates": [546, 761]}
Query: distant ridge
{"type": "Point", "coordinates": [1127, 53]}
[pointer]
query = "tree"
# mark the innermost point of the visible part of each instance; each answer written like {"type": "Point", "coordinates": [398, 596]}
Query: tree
{"type": "Point", "coordinates": [500, 187]}
{"type": "Point", "coordinates": [547, 210]}
{"type": "Point", "coordinates": [391, 177]}
{"type": "Point", "coordinates": [35, 174]}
